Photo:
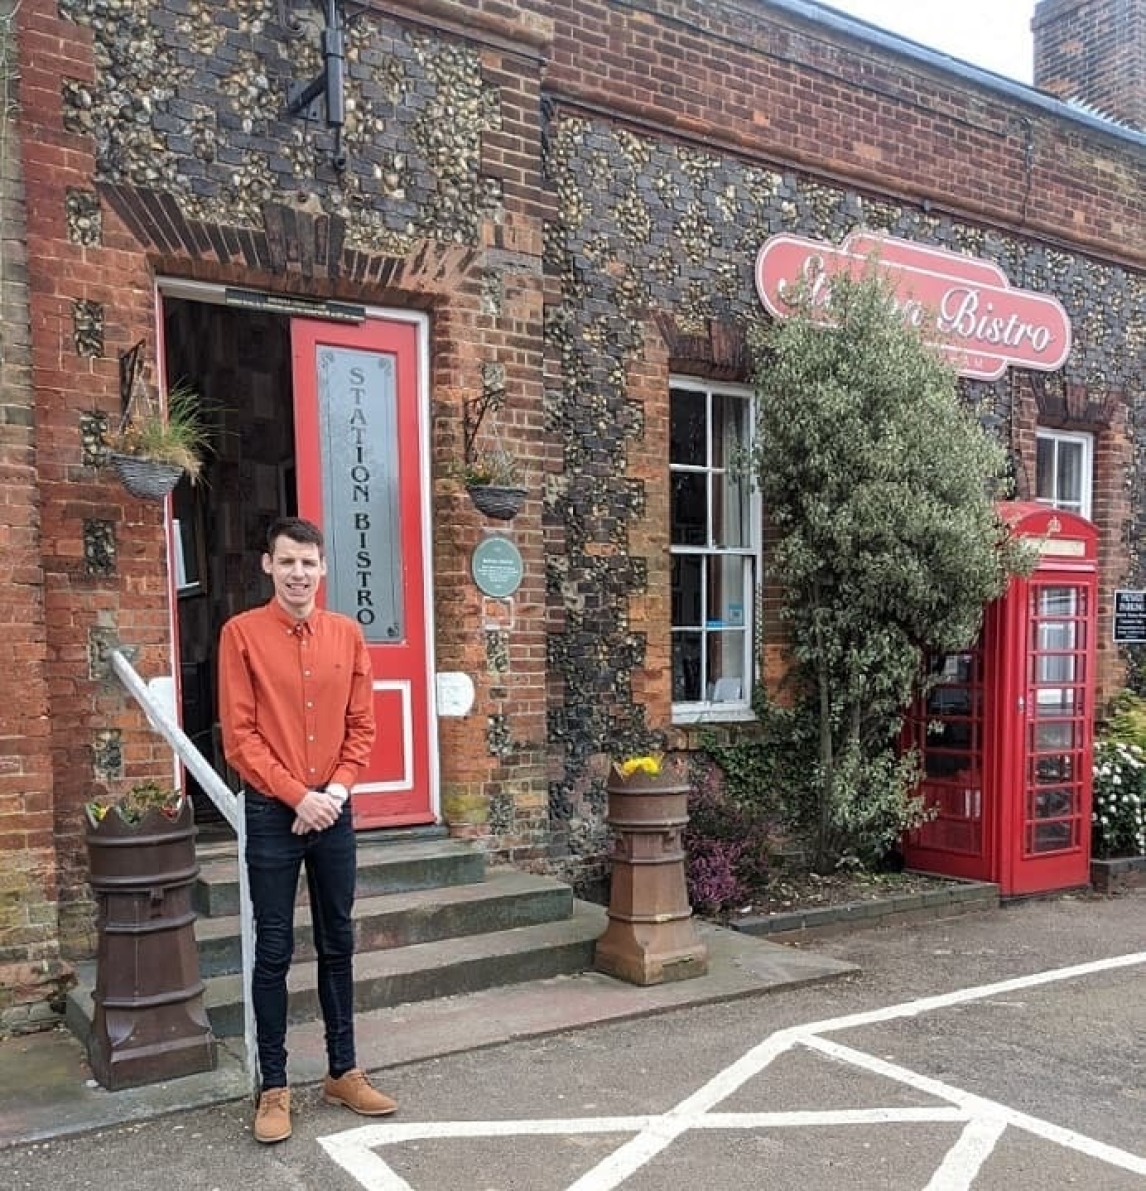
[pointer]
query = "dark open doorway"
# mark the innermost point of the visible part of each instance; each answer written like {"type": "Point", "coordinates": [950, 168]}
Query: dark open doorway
{"type": "Point", "coordinates": [239, 362]}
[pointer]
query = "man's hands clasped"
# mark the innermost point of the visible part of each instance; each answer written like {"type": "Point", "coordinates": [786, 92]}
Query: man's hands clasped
{"type": "Point", "coordinates": [319, 809]}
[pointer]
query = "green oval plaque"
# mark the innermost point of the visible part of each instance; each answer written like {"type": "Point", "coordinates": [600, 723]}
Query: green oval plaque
{"type": "Point", "coordinates": [497, 567]}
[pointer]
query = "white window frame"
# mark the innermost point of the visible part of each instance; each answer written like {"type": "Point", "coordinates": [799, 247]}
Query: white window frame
{"type": "Point", "coordinates": [739, 708]}
{"type": "Point", "coordinates": [1086, 442]}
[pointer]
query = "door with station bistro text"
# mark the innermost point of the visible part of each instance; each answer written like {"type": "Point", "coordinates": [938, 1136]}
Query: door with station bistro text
{"type": "Point", "coordinates": [359, 450]}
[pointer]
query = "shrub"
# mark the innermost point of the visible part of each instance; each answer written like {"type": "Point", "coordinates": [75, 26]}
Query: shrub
{"type": "Point", "coordinates": [726, 845]}
{"type": "Point", "coordinates": [1127, 719]}
{"type": "Point", "coordinates": [1119, 815]}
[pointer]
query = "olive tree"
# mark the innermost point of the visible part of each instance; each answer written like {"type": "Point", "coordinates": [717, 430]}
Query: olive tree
{"type": "Point", "coordinates": [883, 542]}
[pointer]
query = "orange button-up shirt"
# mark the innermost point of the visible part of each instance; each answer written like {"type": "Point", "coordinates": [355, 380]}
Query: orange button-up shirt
{"type": "Point", "coordinates": [295, 700]}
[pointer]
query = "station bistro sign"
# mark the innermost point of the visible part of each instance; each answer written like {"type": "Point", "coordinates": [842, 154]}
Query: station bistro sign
{"type": "Point", "coordinates": [980, 322]}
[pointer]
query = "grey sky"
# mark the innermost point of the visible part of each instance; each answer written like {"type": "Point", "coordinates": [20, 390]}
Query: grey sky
{"type": "Point", "coordinates": [995, 34]}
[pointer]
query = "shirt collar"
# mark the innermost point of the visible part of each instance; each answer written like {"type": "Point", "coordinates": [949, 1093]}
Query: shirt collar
{"type": "Point", "coordinates": [283, 617]}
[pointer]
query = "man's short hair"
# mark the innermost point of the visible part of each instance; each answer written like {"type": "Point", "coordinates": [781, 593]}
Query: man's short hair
{"type": "Point", "coordinates": [306, 533]}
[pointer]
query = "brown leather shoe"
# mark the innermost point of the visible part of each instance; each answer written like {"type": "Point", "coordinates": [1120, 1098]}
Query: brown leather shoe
{"type": "Point", "coordinates": [272, 1118]}
{"type": "Point", "coordinates": [354, 1091]}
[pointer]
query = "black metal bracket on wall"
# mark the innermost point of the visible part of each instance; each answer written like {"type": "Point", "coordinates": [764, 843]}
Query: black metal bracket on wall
{"type": "Point", "coordinates": [473, 414]}
{"type": "Point", "coordinates": [329, 83]}
{"type": "Point", "coordinates": [130, 366]}
{"type": "Point", "coordinates": [474, 409]}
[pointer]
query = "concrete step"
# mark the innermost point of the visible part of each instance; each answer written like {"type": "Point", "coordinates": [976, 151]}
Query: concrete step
{"type": "Point", "coordinates": [383, 867]}
{"type": "Point", "coordinates": [425, 971]}
{"type": "Point", "coordinates": [417, 972]}
{"type": "Point", "coordinates": [505, 900]}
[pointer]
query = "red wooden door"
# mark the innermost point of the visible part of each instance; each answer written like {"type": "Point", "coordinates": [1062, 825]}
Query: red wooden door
{"type": "Point", "coordinates": [359, 463]}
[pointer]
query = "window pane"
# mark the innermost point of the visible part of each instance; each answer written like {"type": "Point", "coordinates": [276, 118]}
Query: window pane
{"type": "Point", "coordinates": [358, 423]}
{"type": "Point", "coordinates": [1069, 492]}
{"type": "Point", "coordinates": [687, 431]}
{"type": "Point", "coordinates": [730, 521]}
{"type": "Point", "coordinates": [689, 508]}
{"type": "Point", "coordinates": [729, 429]}
{"type": "Point", "coordinates": [687, 578]}
{"type": "Point", "coordinates": [725, 678]}
{"type": "Point", "coordinates": [1044, 470]}
{"type": "Point", "coordinates": [725, 606]}
{"type": "Point", "coordinates": [686, 667]}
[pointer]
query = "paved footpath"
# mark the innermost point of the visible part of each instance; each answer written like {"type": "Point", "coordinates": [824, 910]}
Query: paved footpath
{"type": "Point", "coordinates": [997, 1052]}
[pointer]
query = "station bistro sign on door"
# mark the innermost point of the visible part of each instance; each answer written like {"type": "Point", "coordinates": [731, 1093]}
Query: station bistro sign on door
{"type": "Point", "coordinates": [979, 321]}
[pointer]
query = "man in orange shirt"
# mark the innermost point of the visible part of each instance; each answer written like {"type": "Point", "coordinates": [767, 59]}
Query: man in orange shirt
{"type": "Point", "coordinates": [296, 705]}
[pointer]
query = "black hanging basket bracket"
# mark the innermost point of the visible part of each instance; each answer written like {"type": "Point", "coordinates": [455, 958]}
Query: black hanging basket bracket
{"type": "Point", "coordinates": [130, 367]}
{"type": "Point", "coordinates": [330, 82]}
{"type": "Point", "coordinates": [474, 411]}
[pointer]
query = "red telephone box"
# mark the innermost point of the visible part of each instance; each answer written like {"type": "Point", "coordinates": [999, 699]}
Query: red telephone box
{"type": "Point", "coordinates": [1007, 733]}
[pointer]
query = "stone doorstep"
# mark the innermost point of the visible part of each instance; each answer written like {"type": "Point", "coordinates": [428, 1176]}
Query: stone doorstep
{"type": "Point", "coordinates": [944, 902]}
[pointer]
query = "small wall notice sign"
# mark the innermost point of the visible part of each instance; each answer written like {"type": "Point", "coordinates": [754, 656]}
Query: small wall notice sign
{"type": "Point", "coordinates": [497, 567]}
{"type": "Point", "coordinates": [1129, 617]}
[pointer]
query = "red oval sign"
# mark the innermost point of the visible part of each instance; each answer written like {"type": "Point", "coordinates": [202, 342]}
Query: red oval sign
{"type": "Point", "coordinates": [965, 305]}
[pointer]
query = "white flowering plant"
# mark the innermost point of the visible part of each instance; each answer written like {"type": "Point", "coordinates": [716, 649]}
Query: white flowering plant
{"type": "Point", "coordinates": [1119, 815]}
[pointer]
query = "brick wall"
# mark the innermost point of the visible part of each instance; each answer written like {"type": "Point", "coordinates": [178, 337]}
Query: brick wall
{"type": "Point", "coordinates": [1094, 51]}
{"type": "Point", "coordinates": [86, 306]}
{"type": "Point", "coordinates": [31, 975]}
{"type": "Point", "coordinates": [753, 78]}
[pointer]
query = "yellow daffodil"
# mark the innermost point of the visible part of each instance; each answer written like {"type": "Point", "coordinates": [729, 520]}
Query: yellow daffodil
{"type": "Point", "coordinates": [647, 764]}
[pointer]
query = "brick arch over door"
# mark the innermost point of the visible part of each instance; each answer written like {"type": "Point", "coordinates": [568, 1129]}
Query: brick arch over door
{"type": "Point", "coordinates": [295, 240]}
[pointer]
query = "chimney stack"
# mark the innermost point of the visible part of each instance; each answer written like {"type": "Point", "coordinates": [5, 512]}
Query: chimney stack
{"type": "Point", "coordinates": [1093, 52]}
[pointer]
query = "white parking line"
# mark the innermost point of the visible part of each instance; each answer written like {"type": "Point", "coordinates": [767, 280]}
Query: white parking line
{"type": "Point", "coordinates": [965, 1158]}
{"type": "Point", "coordinates": [978, 1108]}
{"type": "Point", "coordinates": [985, 1120]}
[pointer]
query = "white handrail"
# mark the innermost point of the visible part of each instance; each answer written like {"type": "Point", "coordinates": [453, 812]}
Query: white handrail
{"type": "Point", "coordinates": [230, 806]}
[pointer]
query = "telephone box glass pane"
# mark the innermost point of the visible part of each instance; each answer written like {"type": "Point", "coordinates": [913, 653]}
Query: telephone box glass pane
{"type": "Point", "coordinates": [1054, 804]}
{"type": "Point", "coordinates": [1053, 767]}
{"type": "Point", "coordinates": [1055, 735]}
{"type": "Point", "coordinates": [1053, 837]}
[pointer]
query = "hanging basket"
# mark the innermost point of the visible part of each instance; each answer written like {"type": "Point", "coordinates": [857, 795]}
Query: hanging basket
{"type": "Point", "coordinates": [503, 504]}
{"type": "Point", "coordinates": [149, 479]}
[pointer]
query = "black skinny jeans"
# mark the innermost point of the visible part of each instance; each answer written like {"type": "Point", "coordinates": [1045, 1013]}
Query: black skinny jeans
{"type": "Point", "coordinates": [275, 856]}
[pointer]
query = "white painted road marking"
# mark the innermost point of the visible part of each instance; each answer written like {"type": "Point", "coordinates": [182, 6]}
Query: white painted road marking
{"type": "Point", "coordinates": [978, 1109]}
{"type": "Point", "coordinates": [985, 1120]}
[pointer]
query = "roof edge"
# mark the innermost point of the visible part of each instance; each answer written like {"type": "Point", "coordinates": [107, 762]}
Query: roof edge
{"type": "Point", "coordinates": [838, 22]}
